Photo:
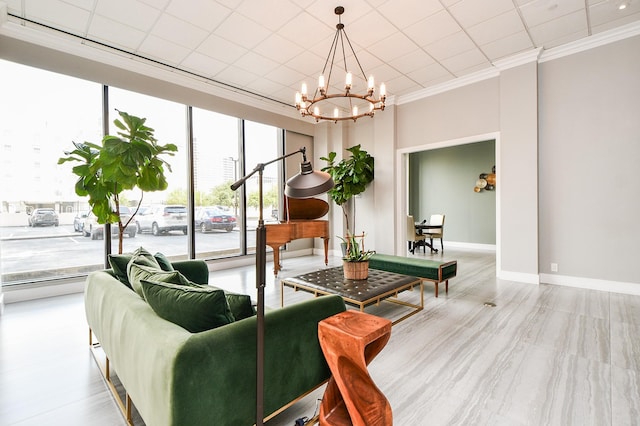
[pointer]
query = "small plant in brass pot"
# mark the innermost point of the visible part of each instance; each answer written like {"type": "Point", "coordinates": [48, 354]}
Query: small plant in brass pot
{"type": "Point", "coordinates": [355, 262]}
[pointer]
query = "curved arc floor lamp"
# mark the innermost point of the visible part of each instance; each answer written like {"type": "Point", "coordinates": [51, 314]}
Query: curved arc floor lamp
{"type": "Point", "coordinates": [305, 184]}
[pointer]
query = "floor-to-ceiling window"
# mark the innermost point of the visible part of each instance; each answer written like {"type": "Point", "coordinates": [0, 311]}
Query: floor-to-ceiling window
{"type": "Point", "coordinates": [43, 112]}
{"type": "Point", "coordinates": [162, 220]}
{"type": "Point", "coordinates": [217, 159]}
{"type": "Point", "coordinates": [261, 144]}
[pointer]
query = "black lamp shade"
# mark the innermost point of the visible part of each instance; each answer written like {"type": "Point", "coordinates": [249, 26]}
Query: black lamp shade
{"type": "Point", "coordinates": [308, 182]}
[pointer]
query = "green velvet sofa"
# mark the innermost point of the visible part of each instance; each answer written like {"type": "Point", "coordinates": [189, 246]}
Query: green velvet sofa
{"type": "Point", "coordinates": [175, 377]}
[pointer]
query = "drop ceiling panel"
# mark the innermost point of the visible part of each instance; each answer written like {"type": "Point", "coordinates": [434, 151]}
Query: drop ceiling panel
{"type": "Point", "coordinates": [496, 28]}
{"type": "Point", "coordinates": [228, 30]}
{"type": "Point", "coordinates": [181, 32]}
{"type": "Point", "coordinates": [58, 13]}
{"type": "Point", "coordinates": [450, 46]}
{"type": "Point", "coordinates": [508, 46]}
{"type": "Point", "coordinates": [540, 11]}
{"type": "Point", "coordinates": [207, 15]}
{"type": "Point", "coordinates": [410, 12]}
{"type": "Point", "coordinates": [549, 32]}
{"type": "Point", "coordinates": [472, 12]}
{"type": "Point", "coordinates": [162, 50]}
{"type": "Point", "coordinates": [115, 34]}
{"type": "Point", "coordinates": [269, 47]}
{"type": "Point", "coordinates": [203, 65]}
{"type": "Point", "coordinates": [131, 13]}
{"type": "Point", "coordinates": [433, 28]}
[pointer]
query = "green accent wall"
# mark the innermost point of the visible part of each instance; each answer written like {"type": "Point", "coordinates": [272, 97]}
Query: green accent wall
{"type": "Point", "coordinates": [441, 181]}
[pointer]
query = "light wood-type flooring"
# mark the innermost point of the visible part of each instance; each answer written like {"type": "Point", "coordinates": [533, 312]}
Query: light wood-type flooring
{"type": "Point", "coordinates": [543, 355]}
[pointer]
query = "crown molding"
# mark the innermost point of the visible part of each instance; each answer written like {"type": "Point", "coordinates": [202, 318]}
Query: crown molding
{"type": "Point", "coordinates": [540, 55]}
{"type": "Point", "coordinates": [518, 59]}
{"type": "Point", "coordinates": [448, 85]}
{"type": "Point", "coordinates": [591, 42]}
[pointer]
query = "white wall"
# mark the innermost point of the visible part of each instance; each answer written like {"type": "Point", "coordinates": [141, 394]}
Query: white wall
{"type": "Point", "coordinates": [589, 162]}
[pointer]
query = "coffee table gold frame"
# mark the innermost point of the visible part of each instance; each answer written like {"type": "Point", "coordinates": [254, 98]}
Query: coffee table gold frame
{"type": "Point", "coordinates": [407, 283]}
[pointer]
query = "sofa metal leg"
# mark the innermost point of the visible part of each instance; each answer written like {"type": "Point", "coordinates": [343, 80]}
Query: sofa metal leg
{"type": "Point", "coordinates": [105, 369]}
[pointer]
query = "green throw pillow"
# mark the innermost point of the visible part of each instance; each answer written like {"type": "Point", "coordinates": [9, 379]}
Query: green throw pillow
{"type": "Point", "coordinates": [240, 305]}
{"type": "Point", "coordinates": [138, 273]}
{"type": "Point", "coordinates": [165, 264]}
{"type": "Point", "coordinates": [194, 308]}
{"type": "Point", "coordinates": [119, 264]}
{"type": "Point", "coordinates": [142, 257]}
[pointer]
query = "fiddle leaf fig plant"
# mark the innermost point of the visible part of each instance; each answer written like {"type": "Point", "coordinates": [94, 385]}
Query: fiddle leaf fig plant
{"type": "Point", "coordinates": [351, 176]}
{"type": "Point", "coordinates": [131, 159]}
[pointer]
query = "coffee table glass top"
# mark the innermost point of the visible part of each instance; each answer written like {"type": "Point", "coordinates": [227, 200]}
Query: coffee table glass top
{"type": "Point", "coordinates": [332, 281]}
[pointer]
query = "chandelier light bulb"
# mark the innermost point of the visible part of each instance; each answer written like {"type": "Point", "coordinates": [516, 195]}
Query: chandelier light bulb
{"type": "Point", "coordinates": [298, 99]}
{"type": "Point", "coordinates": [371, 83]}
{"type": "Point", "coordinates": [304, 90]}
{"type": "Point", "coordinates": [316, 111]}
{"type": "Point", "coordinates": [336, 113]}
{"type": "Point", "coordinates": [355, 110]}
{"type": "Point", "coordinates": [383, 90]}
{"type": "Point", "coordinates": [348, 81]}
{"type": "Point", "coordinates": [321, 82]}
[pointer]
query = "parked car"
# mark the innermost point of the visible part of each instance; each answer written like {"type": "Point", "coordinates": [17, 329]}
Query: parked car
{"type": "Point", "coordinates": [43, 217]}
{"type": "Point", "coordinates": [162, 219]}
{"type": "Point", "coordinates": [78, 220]}
{"type": "Point", "coordinates": [209, 218]}
{"type": "Point", "coordinates": [91, 227]}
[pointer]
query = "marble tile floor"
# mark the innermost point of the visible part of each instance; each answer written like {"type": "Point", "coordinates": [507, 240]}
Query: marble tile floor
{"type": "Point", "coordinates": [544, 355]}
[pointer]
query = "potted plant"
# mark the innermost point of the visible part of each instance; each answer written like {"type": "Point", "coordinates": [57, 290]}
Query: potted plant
{"type": "Point", "coordinates": [355, 262]}
{"type": "Point", "coordinates": [124, 162]}
{"type": "Point", "coordinates": [351, 176]}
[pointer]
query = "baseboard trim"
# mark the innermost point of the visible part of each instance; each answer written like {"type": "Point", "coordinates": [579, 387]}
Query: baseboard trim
{"type": "Point", "coordinates": [592, 284]}
{"type": "Point", "coordinates": [469, 246]}
{"type": "Point", "coordinates": [520, 277]}
{"type": "Point", "coordinates": [24, 292]}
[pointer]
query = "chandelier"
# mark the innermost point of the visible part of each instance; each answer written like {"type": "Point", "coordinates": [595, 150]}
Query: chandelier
{"type": "Point", "coordinates": [344, 103]}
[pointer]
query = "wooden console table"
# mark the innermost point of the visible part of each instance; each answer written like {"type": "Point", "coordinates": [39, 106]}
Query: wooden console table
{"type": "Point", "coordinates": [349, 341]}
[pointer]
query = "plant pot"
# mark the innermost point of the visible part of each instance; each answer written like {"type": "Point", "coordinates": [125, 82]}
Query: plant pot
{"type": "Point", "coordinates": [356, 270]}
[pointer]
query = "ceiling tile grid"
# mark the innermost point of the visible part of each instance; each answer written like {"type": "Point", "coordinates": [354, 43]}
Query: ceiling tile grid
{"type": "Point", "coordinates": [270, 47]}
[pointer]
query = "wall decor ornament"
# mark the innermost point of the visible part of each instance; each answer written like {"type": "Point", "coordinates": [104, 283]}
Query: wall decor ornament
{"type": "Point", "coordinates": [486, 181]}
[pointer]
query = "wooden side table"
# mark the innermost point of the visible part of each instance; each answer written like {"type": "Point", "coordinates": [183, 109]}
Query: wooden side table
{"type": "Point", "coordinates": [349, 341]}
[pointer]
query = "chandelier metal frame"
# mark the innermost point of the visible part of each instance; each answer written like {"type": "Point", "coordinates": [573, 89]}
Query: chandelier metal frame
{"type": "Point", "coordinates": [306, 105]}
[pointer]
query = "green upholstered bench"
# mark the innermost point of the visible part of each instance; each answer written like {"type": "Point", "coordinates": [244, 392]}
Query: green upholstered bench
{"type": "Point", "coordinates": [427, 270]}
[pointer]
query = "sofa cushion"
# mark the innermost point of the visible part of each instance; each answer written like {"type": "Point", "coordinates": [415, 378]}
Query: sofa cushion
{"type": "Point", "coordinates": [137, 273]}
{"type": "Point", "coordinates": [119, 264]}
{"type": "Point", "coordinates": [163, 261]}
{"type": "Point", "coordinates": [240, 305]}
{"type": "Point", "coordinates": [194, 308]}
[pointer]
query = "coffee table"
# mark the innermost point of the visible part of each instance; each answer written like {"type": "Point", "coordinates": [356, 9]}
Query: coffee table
{"type": "Point", "coordinates": [380, 286]}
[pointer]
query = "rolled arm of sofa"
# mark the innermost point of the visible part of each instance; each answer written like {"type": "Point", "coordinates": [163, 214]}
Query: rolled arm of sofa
{"type": "Point", "coordinates": [195, 270]}
{"type": "Point", "coordinates": [215, 371]}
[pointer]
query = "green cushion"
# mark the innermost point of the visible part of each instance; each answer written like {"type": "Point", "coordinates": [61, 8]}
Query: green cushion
{"type": "Point", "coordinates": [417, 267]}
{"type": "Point", "coordinates": [119, 263]}
{"type": "Point", "coordinates": [163, 261]}
{"type": "Point", "coordinates": [240, 305]}
{"type": "Point", "coordinates": [194, 308]}
{"type": "Point", "coordinates": [137, 273]}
